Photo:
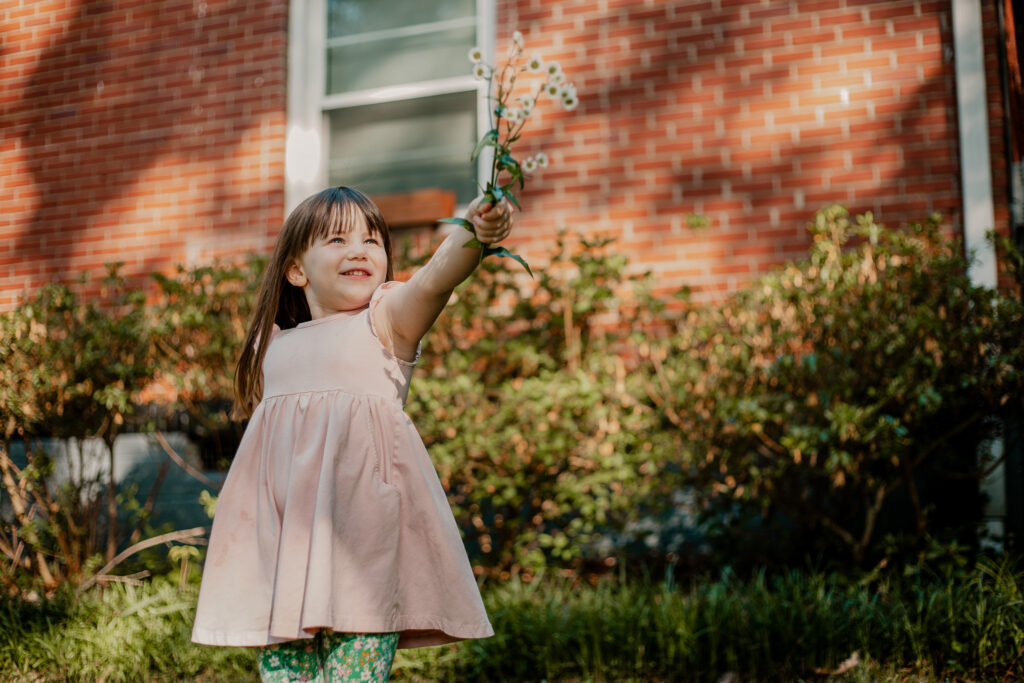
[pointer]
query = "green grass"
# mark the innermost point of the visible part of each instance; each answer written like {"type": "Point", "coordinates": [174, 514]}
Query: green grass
{"type": "Point", "coordinates": [795, 626]}
{"type": "Point", "coordinates": [783, 628]}
{"type": "Point", "coordinates": [125, 633]}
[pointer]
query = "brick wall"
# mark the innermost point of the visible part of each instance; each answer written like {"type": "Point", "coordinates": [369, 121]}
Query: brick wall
{"type": "Point", "coordinates": [755, 114]}
{"type": "Point", "coordinates": [152, 132]}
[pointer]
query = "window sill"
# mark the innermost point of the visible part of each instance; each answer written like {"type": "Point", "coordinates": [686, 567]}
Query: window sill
{"type": "Point", "coordinates": [418, 208]}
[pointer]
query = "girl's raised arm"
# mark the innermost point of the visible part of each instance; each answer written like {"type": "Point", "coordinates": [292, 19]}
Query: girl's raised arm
{"type": "Point", "coordinates": [407, 312]}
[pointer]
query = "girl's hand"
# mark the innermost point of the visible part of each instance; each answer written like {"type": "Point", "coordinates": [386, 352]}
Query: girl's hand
{"type": "Point", "coordinates": [492, 223]}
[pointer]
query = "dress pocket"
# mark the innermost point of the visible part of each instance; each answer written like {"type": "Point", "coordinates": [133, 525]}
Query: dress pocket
{"type": "Point", "coordinates": [381, 428]}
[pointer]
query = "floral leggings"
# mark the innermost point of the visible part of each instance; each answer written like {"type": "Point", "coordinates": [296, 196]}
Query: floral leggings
{"type": "Point", "coordinates": [330, 657]}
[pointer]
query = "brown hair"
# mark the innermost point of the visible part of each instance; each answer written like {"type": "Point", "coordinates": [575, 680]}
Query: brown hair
{"type": "Point", "coordinates": [278, 301]}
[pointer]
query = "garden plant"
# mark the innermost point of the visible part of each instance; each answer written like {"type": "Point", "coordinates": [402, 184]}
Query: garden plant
{"type": "Point", "coordinates": [819, 421]}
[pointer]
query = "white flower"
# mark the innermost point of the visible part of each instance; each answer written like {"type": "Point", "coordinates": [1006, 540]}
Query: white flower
{"type": "Point", "coordinates": [530, 165]}
{"type": "Point", "coordinates": [541, 159]}
{"type": "Point", "coordinates": [527, 104]}
{"type": "Point", "coordinates": [552, 68]}
{"type": "Point", "coordinates": [515, 115]}
{"type": "Point", "coordinates": [535, 65]}
{"type": "Point", "coordinates": [552, 90]}
{"type": "Point", "coordinates": [567, 93]}
{"type": "Point", "coordinates": [482, 72]}
{"type": "Point", "coordinates": [476, 55]}
{"type": "Point", "coordinates": [556, 77]}
{"type": "Point", "coordinates": [517, 38]}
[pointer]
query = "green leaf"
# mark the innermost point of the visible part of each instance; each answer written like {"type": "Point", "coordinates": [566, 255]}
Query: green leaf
{"type": "Point", "coordinates": [511, 197]}
{"type": "Point", "coordinates": [509, 162]}
{"type": "Point", "coordinates": [473, 244]}
{"type": "Point", "coordinates": [489, 139]}
{"type": "Point", "coordinates": [454, 220]}
{"type": "Point", "coordinates": [505, 253]}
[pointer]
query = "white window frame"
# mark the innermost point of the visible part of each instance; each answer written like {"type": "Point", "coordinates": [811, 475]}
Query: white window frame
{"type": "Point", "coordinates": [308, 105]}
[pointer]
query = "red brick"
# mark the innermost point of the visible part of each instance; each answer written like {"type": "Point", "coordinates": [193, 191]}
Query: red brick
{"type": "Point", "coordinates": [897, 42]}
{"type": "Point", "coordinates": [843, 48]}
{"type": "Point", "coordinates": [791, 23]}
{"type": "Point", "coordinates": [890, 10]}
{"type": "Point", "coordinates": [863, 31]}
{"type": "Point", "coordinates": [759, 14]}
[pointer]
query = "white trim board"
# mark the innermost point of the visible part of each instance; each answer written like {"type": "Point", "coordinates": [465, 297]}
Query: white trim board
{"type": "Point", "coordinates": [972, 116]}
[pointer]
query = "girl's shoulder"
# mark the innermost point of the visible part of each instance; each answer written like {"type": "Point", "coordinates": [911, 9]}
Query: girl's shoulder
{"type": "Point", "coordinates": [383, 287]}
{"type": "Point", "coordinates": [381, 328]}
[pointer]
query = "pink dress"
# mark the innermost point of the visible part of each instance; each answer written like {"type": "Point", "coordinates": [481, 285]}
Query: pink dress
{"type": "Point", "coordinates": [332, 515]}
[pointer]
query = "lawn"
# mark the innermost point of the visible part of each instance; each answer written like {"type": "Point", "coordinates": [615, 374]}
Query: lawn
{"type": "Point", "coordinates": [790, 626]}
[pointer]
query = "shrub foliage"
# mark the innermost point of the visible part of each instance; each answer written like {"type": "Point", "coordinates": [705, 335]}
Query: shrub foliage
{"type": "Point", "coordinates": [530, 414]}
{"type": "Point", "coordinates": [72, 371]}
{"type": "Point", "coordinates": [845, 395]}
{"type": "Point", "coordinates": [834, 407]}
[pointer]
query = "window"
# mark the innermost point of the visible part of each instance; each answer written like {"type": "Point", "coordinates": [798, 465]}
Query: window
{"type": "Point", "coordinates": [385, 101]}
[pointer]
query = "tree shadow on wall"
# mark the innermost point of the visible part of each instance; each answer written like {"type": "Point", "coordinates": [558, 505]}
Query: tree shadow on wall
{"type": "Point", "coordinates": [689, 77]}
{"type": "Point", "coordinates": [117, 90]}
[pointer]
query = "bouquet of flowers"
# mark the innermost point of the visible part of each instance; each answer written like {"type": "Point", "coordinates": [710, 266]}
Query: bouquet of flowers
{"type": "Point", "coordinates": [507, 122]}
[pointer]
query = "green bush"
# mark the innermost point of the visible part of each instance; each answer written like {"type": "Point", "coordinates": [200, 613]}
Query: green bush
{"type": "Point", "coordinates": [530, 414]}
{"type": "Point", "coordinates": [831, 408]}
{"type": "Point", "coordinates": [200, 320]}
{"type": "Point", "coordinates": [74, 371]}
{"type": "Point", "coordinates": [844, 395]}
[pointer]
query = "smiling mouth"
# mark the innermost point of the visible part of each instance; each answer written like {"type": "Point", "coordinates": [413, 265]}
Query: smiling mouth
{"type": "Point", "coordinates": [357, 272]}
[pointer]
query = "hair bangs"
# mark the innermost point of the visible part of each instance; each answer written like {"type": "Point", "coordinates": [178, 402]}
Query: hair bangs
{"type": "Point", "coordinates": [337, 217]}
{"type": "Point", "coordinates": [342, 209]}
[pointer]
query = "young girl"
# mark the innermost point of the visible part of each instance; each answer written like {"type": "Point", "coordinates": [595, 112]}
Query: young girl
{"type": "Point", "coordinates": [333, 542]}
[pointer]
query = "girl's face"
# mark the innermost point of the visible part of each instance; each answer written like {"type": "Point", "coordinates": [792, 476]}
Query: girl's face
{"type": "Point", "coordinates": [340, 271]}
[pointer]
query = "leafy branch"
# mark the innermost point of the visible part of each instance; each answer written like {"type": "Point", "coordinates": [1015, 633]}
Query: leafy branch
{"type": "Point", "coordinates": [507, 123]}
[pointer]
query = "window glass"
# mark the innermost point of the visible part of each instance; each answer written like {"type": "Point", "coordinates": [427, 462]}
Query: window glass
{"type": "Point", "coordinates": [398, 60]}
{"type": "Point", "coordinates": [348, 17]}
{"type": "Point", "coordinates": [405, 145]}
{"type": "Point", "coordinates": [397, 146]}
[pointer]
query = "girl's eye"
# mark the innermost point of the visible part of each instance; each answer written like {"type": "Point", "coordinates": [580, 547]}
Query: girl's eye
{"type": "Point", "coordinates": [337, 240]}
{"type": "Point", "coordinates": [371, 240]}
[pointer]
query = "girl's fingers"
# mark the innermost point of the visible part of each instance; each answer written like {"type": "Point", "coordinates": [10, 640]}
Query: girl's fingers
{"type": "Point", "coordinates": [502, 213]}
{"type": "Point", "coordinates": [492, 212]}
{"type": "Point", "coordinates": [493, 234]}
{"type": "Point", "coordinates": [493, 222]}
